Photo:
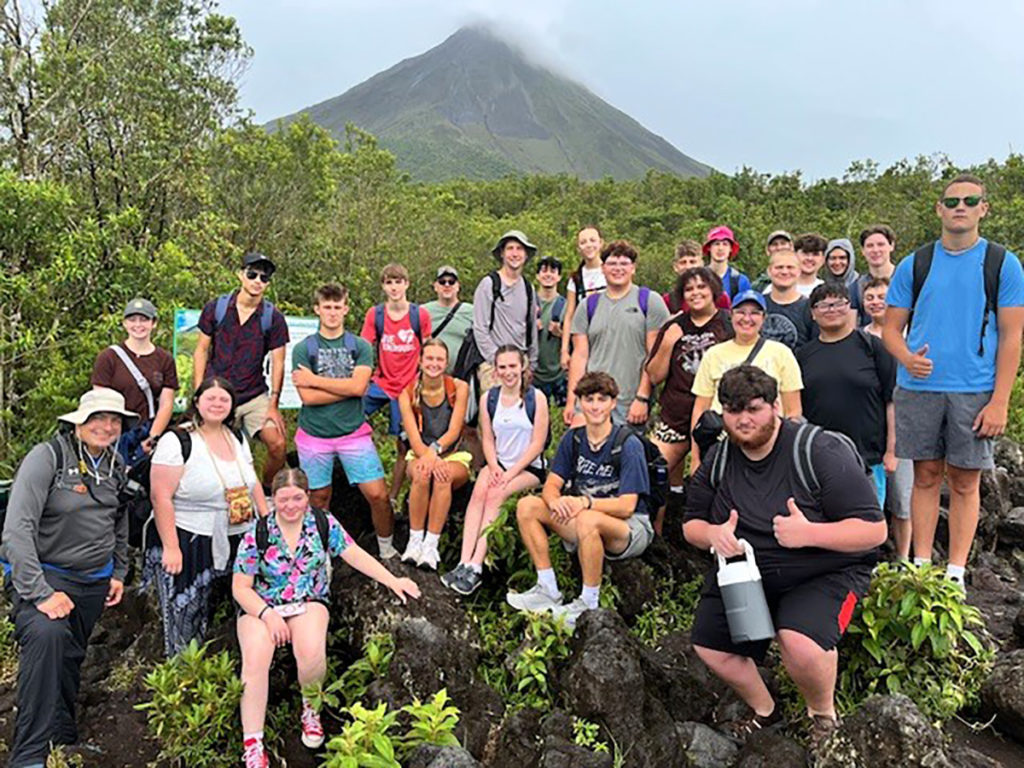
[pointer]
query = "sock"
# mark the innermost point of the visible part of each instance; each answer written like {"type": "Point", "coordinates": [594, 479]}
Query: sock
{"type": "Point", "coordinates": [383, 542]}
{"type": "Point", "coordinates": [306, 703]}
{"type": "Point", "coordinates": [431, 541]}
{"type": "Point", "coordinates": [546, 578]}
{"type": "Point", "coordinates": [248, 738]}
{"type": "Point", "coordinates": [475, 567]}
{"type": "Point", "coordinates": [955, 572]}
{"type": "Point", "coordinates": [676, 489]}
{"type": "Point", "coordinates": [922, 561]}
{"type": "Point", "coordinates": [589, 595]}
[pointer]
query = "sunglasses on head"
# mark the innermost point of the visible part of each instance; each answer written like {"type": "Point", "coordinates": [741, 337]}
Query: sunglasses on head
{"type": "Point", "coordinates": [253, 274]}
{"type": "Point", "coordinates": [970, 201]}
{"type": "Point", "coordinates": [446, 281]}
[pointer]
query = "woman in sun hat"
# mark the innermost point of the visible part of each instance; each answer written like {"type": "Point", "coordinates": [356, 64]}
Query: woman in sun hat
{"type": "Point", "coordinates": [64, 554]}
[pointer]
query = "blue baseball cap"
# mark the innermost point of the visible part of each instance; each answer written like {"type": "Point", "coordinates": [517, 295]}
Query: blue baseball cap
{"type": "Point", "coordinates": [750, 295]}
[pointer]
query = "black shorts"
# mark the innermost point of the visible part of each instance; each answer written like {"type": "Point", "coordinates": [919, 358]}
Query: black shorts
{"type": "Point", "coordinates": [538, 472]}
{"type": "Point", "coordinates": [819, 607]}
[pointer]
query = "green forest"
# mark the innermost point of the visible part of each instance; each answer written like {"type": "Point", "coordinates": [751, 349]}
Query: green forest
{"type": "Point", "coordinates": [131, 168]}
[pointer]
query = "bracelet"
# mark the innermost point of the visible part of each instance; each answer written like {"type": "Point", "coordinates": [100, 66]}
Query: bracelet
{"type": "Point", "coordinates": [642, 399]}
{"type": "Point", "coordinates": [260, 614]}
{"type": "Point", "coordinates": [590, 500]}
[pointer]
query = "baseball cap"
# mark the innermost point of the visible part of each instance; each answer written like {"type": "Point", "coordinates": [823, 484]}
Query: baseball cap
{"type": "Point", "coordinates": [257, 259]}
{"type": "Point", "coordinates": [750, 295]}
{"type": "Point", "coordinates": [143, 307]}
{"type": "Point", "coordinates": [777, 234]}
{"type": "Point", "coordinates": [446, 269]}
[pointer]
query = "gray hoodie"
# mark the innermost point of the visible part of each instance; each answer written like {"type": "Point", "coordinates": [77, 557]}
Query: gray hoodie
{"type": "Point", "coordinates": [850, 276]}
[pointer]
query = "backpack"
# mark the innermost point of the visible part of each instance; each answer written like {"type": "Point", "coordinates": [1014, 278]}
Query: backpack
{"type": "Point", "coordinates": [803, 458]}
{"type": "Point", "coordinates": [313, 347]}
{"type": "Point", "coordinates": [378, 326]}
{"type": "Point", "coordinates": [323, 527]}
{"type": "Point", "coordinates": [220, 313]}
{"type": "Point", "coordinates": [657, 467]}
{"type": "Point", "coordinates": [734, 283]}
{"type": "Point", "coordinates": [449, 393]}
{"type": "Point", "coordinates": [643, 299]}
{"type": "Point", "coordinates": [469, 358]}
{"type": "Point", "coordinates": [995, 254]}
{"type": "Point", "coordinates": [529, 403]}
{"type": "Point", "coordinates": [558, 310]}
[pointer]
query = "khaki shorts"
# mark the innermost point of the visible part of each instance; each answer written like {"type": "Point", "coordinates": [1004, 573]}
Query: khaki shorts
{"type": "Point", "coordinates": [252, 415]}
{"type": "Point", "coordinates": [641, 534]}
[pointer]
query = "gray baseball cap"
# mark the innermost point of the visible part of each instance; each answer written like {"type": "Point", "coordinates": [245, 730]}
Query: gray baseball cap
{"type": "Point", "coordinates": [446, 269]}
{"type": "Point", "coordinates": [140, 306]}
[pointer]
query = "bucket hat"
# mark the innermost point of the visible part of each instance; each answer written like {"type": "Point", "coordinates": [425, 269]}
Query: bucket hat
{"type": "Point", "coordinates": [99, 400]}
{"type": "Point", "coordinates": [721, 233]}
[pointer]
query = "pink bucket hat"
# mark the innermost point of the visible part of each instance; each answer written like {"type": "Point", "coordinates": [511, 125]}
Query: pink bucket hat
{"type": "Point", "coordinates": [721, 233]}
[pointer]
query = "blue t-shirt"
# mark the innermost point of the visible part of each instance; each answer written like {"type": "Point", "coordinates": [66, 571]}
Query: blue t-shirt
{"type": "Point", "coordinates": [948, 317]}
{"type": "Point", "coordinates": [734, 276]}
{"type": "Point", "coordinates": [595, 473]}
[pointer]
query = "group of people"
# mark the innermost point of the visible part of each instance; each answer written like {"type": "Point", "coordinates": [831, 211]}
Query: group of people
{"type": "Point", "coordinates": [905, 371]}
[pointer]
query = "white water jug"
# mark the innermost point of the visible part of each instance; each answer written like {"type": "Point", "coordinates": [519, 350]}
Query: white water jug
{"type": "Point", "coordinates": [746, 609]}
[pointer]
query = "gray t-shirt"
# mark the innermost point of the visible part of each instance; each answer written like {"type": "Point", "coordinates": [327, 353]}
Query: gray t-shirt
{"type": "Point", "coordinates": [509, 317]}
{"type": "Point", "coordinates": [617, 336]}
{"type": "Point", "coordinates": [455, 331]}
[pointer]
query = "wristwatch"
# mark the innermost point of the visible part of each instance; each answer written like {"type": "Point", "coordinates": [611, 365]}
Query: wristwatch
{"type": "Point", "coordinates": [436, 447]}
{"type": "Point", "coordinates": [643, 399]}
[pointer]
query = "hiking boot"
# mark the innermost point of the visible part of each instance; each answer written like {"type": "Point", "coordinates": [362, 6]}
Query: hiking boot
{"type": "Point", "coordinates": [254, 756]}
{"type": "Point", "coordinates": [312, 730]}
{"type": "Point", "coordinates": [742, 729]}
{"type": "Point", "coordinates": [469, 582]}
{"type": "Point", "coordinates": [429, 558]}
{"type": "Point", "coordinates": [413, 551]}
{"type": "Point", "coordinates": [536, 598]}
{"type": "Point", "coordinates": [386, 551]}
{"type": "Point", "coordinates": [451, 577]}
{"type": "Point", "coordinates": [571, 611]}
{"type": "Point", "coordinates": [822, 728]}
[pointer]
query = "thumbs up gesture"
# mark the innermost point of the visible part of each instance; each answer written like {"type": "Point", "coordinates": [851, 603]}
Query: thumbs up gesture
{"type": "Point", "coordinates": [793, 530]}
{"type": "Point", "coordinates": [919, 365]}
{"type": "Point", "coordinates": [723, 537]}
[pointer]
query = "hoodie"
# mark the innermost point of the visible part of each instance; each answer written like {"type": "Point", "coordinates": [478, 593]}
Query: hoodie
{"type": "Point", "coordinates": [849, 277]}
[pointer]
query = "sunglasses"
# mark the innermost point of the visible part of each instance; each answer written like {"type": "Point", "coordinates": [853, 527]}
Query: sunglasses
{"type": "Point", "coordinates": [970, 201]}
{"type": "Point", "coordinates": [447, 281]}
{"type": "Point", "coordinates": [253, 274]}
{"type": "Point", "coordinates": [831, 306]}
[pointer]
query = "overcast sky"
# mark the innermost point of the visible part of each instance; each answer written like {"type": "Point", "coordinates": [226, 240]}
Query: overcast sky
{"type": "Point", "coordinates": [779, 85]}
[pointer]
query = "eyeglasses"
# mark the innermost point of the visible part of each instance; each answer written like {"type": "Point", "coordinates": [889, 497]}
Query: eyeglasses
{"type": "Point", "coordinates": [253, 274]}
{"type": "Point", "coordinates": [447, 281]}
{"type": "Point", "coordinates": [831, 306]}
{"type": "Point", "coordinates": [970, 201]}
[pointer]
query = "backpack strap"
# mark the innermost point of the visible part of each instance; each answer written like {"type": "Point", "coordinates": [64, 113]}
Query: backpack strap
{"type": "Point", "coordinates": [185, 440]}
{"type": "Point", "coordinates": [492, 401]}
{"type": "Point", "coordinates": [558, 310]}
{"type": "Point", "coordinates": [350, 342]}
{"type": "Point", "coordinates": [734, 282]}
{"type": "Point", "coordinates": [267, 319]}
{"type": "Point", "coordinates": [574, 437]}
{"type": "Point", "coordinates": [57, 449]}
{"type": "Point", "coordinates": [922, 266]}
{"type": "Point", "coordinates": [447, 319]}
{"type": "Point", "coordinates": [531, 316]}
{"type": "Point", "coordinates": [581, 288]}
{"type": "Point", "coordinates": [802, 445]}
{"type": "Point", "coordinates": [414, 322]}
{"type": "Point", "coordinates": [313, 350]}
{"type": "Point", "coordinates": [262, 534]}
{"type": "Point", "coordinates": [378, 329]}
{"type": "Point", "coordinates": [995, 254]}
{"type": "Point", "coordinates": [495, 296]}
{"type": "Point", "coordinates": [530, 403]}
{"type": "Point", "coordinates": [220, 310]}
{"type": "Point", "coordinates": [644, 298]}
{"type": "Point", "coordinates": [592, 300]}
{"type": "Point", "coordinates": [619, 436]}
{"type": "Point", "coordinates": [140, 380]}
{"type": "Point", "coordinates": [450, 391]}
{"type": "Point", "coordinates": [718, 463]}
{"type": "Point", "coordinates": [753, 352]}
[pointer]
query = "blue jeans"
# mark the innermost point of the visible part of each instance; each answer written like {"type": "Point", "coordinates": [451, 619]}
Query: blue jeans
{"type": "Point", "coordinates": [375, 399]}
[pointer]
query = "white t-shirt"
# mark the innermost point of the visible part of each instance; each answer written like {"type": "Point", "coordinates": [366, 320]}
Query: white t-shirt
{"type": "Point", "coordinates": [512, 433]}
{"type": "Point", "coordinates": [199, 498]}
{"type": "Point", "coordinates": [593, 280]}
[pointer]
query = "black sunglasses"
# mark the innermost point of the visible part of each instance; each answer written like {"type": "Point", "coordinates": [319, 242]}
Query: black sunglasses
{"type": "Point", "coordinates": [970, 201]}
{"type": "Point", "coordinates": [253, 274]}
{"type": "Point", "coordinates": [447, 281]}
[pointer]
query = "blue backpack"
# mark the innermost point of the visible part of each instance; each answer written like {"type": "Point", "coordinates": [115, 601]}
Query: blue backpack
{"type": "Point", "coordinates": [313, 347]}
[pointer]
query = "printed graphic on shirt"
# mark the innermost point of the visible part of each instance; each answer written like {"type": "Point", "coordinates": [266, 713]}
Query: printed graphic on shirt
{"type": "Point", "coordinates": [402, 341]}
{"type": "Point", "coordinates": [335, 363]}
{"type": "Point", "coordinates": [691, 348]}
{"type": "Point", "coordinates": [778, 327]}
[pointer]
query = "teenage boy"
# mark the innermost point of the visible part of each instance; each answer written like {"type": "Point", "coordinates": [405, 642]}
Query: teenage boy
{"type": "Point", "coordinates": [613, 332]}
{"type": "Point", "coordinates": [396, 329]}
{"type": "Point", "coordinates": [810, 252]}
{"type": "Point", "coordinates": [331, 371]}
{"type": "Point", "coordinates": [877, 244]}
{"type": "Point", "coordinates": [600, 516]}
{"type": "Point", "coordinates": [848, 383]}
{"type": "Point", "coordinates": [144, 374]}
{"type": "Point", "coordinates": [720, 247]}
{"type": "Point", "coordinates": [688, 255]}
{"type": "Point", "coordinates": [549, 376]}
{"type": "Point", "coordinates": [236, 332]}
{"type": "Point", "coordinates": [449, 317]}
{"type": "Point", "coordinates": [506, 312]}
{"type": "Point", "coordinates": [779, 240]}
{"type": "Point", "coordinates": [957, 364]}
{"type": "Point", "coordinates": [788, 314]}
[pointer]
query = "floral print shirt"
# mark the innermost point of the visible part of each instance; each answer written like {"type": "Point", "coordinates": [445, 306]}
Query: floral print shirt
{"type": "Point", "coordinates": [283, 577]}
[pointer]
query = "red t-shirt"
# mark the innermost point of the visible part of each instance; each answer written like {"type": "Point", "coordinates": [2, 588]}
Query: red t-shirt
{"type": "Point", "coordinates": [398, 351]}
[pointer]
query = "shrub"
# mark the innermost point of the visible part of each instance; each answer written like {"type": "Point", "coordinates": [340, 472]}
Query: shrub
{"type": "Point", "coordinates": [351, 685]}
{"type": "Point", "coordinates": [915, 635]}
{"type": "Point", "coordinates": [432, 723]}
{"type": "Point", "coordinates": [193, 712]}
{"type": "Point", "coordinates": [673, 610]}
{"type": "Point", "coordinates": [366, 741]}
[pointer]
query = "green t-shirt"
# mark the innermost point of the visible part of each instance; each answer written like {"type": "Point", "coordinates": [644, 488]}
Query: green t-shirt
{"type": "Point", "coordinates": [455, 332]}
{"type": "Point", "coordinates": [549, 346]}
{"type": "Point", "coordinates": [334, 360]}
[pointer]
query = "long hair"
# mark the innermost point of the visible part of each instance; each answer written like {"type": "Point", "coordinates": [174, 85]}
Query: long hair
{"type": "Point", "coordinates": [192, 414]}
{"type": "Point", "coordinates": [523, 375]}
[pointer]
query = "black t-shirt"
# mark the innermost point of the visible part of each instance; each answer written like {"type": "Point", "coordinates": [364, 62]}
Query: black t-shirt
{"type": "Point", "coordinates": [790, 324]}
{"type": "Point", "coordinates": [847, 385]}
{"type": "Point", "coordinates": [759, 490]}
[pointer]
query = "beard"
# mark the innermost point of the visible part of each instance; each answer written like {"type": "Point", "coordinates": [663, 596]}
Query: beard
{"type": "Point", "coordinates": [755, 440]}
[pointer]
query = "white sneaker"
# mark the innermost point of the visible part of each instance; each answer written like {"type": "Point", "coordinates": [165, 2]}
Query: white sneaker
{"type": "Point", "coordinates": [571, 611]}
{"type": "Point", "coordinates": [536, 599]}
{"type": "Point", "coordinates": [386, 551]}
{"type": "Point", "coordinates": [413, 550]}
{"type": "Point", "coordinates": [429, 558]}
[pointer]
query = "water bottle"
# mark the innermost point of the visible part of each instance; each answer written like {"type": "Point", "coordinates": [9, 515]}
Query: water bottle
{"type": "Point", "coordinates": [746, 609]}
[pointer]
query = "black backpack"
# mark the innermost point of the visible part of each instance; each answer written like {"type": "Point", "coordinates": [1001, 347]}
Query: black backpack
{"type": "Point", "coordinates": [529, 403]}
{"type": "Point", "coordinates": [657, 467]}
{"type": "Point", "coordinates": [803, 458]}
{"type": "Point", "coordinates": [995, 254]}
{"type": "Point", "coordinates": [469, 358]}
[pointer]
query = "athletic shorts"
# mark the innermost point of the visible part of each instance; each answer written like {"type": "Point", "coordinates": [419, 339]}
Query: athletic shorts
{"type": "Point", "coordinates": [251, 415]}
{"type": "Point", "coordinates": [938, 425]}
{"type": "Point", "coordinates": [819, 607]}
{"type": "Point", "coordinates": [898, 488]}
{"type": "Point", "coordinates": [538, 472]}
{"type": "Point", "coordinates": [375, 399]}
{"type": "Point", "coordinates": [465, 458]}
{"type": "Point", "coordinates": [641, 534]}
{"type": "Point", "coordinates": [355, 451]}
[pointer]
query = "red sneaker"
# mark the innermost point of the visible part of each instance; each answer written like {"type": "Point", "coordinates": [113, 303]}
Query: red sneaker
{"type": "Point", "coordinates": [253, 755]}
{"type": "Point", "coordinates": [312, 730]}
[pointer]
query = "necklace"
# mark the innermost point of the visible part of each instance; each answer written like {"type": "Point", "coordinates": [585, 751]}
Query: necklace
{"type": "Point", "coordinates": [96, 462]}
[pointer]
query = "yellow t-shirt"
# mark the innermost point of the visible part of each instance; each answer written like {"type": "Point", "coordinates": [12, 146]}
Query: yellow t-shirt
{"type": "Point", "coordinates": [774, 358]}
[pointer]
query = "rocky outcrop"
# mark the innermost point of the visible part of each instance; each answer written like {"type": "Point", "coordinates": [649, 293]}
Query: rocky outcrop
{"type": "Point", "coordinates": [1003, 694]}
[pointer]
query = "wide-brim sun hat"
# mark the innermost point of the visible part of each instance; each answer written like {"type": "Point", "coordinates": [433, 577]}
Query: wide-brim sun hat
{"type": "Point", "coordinates": [721, 233]}
{"type": "Point", "coordinates": [99, 400]}
{"type": "Point", "coordinates": [514, 234]}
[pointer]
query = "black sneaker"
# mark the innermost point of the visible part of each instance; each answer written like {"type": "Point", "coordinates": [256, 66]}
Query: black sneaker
{"type": "Point", "coordinates": [469, 582]}
{"type": "Point", "coordinates": [454, 576]}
